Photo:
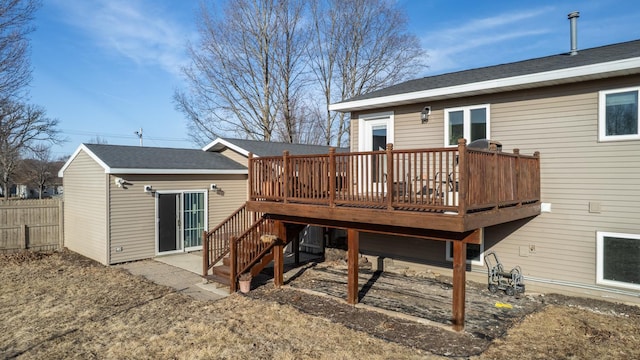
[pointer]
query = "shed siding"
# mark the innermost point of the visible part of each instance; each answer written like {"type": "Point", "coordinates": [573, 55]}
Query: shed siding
{"type": "Point", "coordinates": [235, 156]}
{"type": "Point", "coordinates": [85, 208]}
{"type": "Point", "coordinates": [133, 212]}
{"type": "Point", "coordinates": [562, 123]}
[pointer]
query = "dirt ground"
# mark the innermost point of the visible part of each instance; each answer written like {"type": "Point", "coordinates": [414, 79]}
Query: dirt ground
{"type": "Point", "coordinates": [62, 305]}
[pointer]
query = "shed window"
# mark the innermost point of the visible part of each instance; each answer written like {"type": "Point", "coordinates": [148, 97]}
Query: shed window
{"type": "Point", "coordinates": [619, 115]}
{"type": "Point", "coordinates": [469, 122]}
{"type": "Point", "coordinates": [618, 262]}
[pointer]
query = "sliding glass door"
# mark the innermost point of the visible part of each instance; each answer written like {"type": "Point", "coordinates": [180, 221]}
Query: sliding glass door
{"type": "Point", "coordinates": [181, 220]}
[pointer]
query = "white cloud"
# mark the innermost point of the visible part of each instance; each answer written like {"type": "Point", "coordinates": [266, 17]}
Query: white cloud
{"type": "Point", "coordinates": [453, 47]}
{"type": "Point", "coordinates": [139, 30]}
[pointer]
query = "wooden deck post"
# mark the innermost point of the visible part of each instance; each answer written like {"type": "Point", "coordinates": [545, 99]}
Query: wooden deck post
{"type": "Point", "coordinates": [459, 282]}
{"type": "Point", "coordinates": [205, 254]}
{"type": "Point", "coordinates": [251, 183]}
{"type": "Point", "coordinates": [285, 175]}
{"type": "Point", "coordinates": [390, 176]}
{"type": "Point", "coordinates": [353, 250]}
{"type": "Point", "coordinates": [333, 176]}
{"type": "Point", "coordinates": [295, 244]}
{"type": "Point", "coordinates": [233, 260]}
{"type": "Point", "coordinates": [463, 176]}
{"type": "Point", "coordinates": [278, 258]}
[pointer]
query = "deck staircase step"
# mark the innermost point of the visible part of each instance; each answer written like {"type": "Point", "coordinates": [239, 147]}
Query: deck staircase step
{"type": "Point", "coordinates": [224, 280]}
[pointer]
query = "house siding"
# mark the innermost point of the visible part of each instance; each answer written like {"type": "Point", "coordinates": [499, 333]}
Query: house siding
{"type": "Point", "coordinates": [133, 212]}
{"type": "Point", "coordinates": [85, 208]}
{"type": "Point", "coordinates": [562, 123]}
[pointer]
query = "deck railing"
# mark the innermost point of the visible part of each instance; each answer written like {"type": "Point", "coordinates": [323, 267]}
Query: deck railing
{"type": "Point", "coordinates": [444, 179]}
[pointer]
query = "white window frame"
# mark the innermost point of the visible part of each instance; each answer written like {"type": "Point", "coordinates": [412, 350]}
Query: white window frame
{"type": "Point", "coordinates": [472, 262]}
{"type": "Point", "coordinates": [600, 235]}
{"type": "Point", "coordinates": [602, 116]}
{"type": "Point", "coordinates": [466, 122]}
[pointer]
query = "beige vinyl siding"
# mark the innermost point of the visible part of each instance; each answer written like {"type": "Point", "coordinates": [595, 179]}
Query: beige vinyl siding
{"type": "Point", "coordinates": [133, 212]}
{"type": "Point", "coordinates": [85, 208]}
{"type": "Point", "coordinates": [562, 123]}
{"type": "Point", "coordinates": [235, 156]}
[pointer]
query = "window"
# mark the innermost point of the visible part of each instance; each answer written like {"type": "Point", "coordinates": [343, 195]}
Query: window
{"type": "Point", "coordinates": [618, 117]}
{"type": "Point", "coordinates": [469, 122]}
{"type": "Point", "coordinates": [475, 252]}
{"type": "Point", "coordinates": [618, 262]}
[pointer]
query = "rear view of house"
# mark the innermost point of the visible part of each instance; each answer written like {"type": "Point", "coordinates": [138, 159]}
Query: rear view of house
{"type": "Point", "coordinates": [580, 110]}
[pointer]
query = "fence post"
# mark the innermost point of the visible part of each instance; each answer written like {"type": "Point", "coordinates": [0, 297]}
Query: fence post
{"type": "Point", "coordinates": [23, 236]}
{"type": "Point", "coordinates": [60, 224]}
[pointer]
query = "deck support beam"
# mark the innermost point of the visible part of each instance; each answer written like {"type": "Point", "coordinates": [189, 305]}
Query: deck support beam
{"type": "Point", "coordinates": [459, 278]}
{"type": "Point", "coordinates": [353, 251]}
{"type": "Point", "coordinates": [278, 256]}
{"type": "Point", "coordinates": [295, 244]}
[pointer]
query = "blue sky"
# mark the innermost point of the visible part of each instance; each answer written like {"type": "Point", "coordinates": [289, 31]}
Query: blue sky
{"type": "Point", "coordinates": [109, 67]}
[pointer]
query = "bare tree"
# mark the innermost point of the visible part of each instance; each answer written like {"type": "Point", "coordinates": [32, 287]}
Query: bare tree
{"type": "Point", "coordinates": [22, 127]}
{"type": "Point", "coordinates": [15, 25]}
{"type": "Point", "coordinates": [290, 62]}
{"type": "Point", "coordinates": [39, 171]}
{"type": "Point", "coordinates": [259, 66]}
{"type": "Point", "coordinates": [359, 46]}
{"type": "Point", "coordinates": [98, 140]}
{"type": "Point", "coordinates": [231, 77]}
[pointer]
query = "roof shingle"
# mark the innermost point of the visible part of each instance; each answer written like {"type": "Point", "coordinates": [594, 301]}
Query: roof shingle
{"type": "Point", "coordinates": [136, 157]}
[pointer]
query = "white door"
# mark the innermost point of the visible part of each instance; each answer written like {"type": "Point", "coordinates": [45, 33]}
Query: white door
{"type": "Point", "coordinates": [376, 131]}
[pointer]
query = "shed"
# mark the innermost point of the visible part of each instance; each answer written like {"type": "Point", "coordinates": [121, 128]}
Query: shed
{"type": "Point", "coordinates": [125, 203]}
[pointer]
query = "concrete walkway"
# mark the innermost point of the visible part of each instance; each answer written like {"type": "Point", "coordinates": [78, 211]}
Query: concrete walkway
{"type": "Point", "coordinates": [181, 272]}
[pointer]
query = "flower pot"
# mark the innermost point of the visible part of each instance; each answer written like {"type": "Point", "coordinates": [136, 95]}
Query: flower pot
{"type": "Point", "coordinates": [245, 286]}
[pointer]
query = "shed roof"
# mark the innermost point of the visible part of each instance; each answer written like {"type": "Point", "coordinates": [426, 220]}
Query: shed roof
{"type": "Point", "coordinates": [600, 62]}
{"type": "Point", "coordinates": [120, 159]}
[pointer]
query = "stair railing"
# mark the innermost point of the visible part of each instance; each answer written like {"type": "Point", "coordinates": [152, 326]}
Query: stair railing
{"type": "Point", "coordinates": [215, 243]}
{"type": "Point", "coordinates": [249, 248]}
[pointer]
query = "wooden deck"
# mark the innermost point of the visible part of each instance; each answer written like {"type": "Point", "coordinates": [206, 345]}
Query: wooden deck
{"type": "Point", "coordinates": [444, 194]}
{"type": "Point", "coordinates": [446, 189]}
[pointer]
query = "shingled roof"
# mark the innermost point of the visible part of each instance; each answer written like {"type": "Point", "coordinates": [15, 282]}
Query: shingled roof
{"type": "Point", "coordinates": [268, 148]}
{"type": "Point", "coordinates": [155, 160]}
{"type": "Point", "coordinates": [618, 59]}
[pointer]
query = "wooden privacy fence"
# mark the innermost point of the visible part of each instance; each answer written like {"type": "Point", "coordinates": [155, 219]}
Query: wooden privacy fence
{"type": "Point", "coordinates": [31, 224]}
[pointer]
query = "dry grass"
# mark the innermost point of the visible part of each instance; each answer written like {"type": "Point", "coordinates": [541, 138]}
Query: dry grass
{"type": "Point", "coordinates": [561, 332]}
{"type": "Point", "coordinates": [55, 307]}
{"type": "Point", "coordinates": [64, 306]}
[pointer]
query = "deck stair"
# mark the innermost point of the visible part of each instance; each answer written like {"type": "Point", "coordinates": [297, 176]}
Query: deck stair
{"type": "Point", "coordinates": [237, 245]}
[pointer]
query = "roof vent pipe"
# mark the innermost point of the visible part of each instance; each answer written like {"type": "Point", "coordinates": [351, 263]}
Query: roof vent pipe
{"type": "Point", "coordinates": [573, 17]}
